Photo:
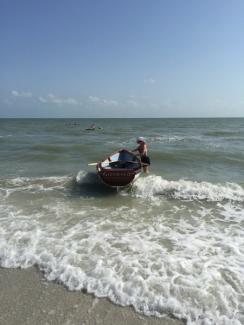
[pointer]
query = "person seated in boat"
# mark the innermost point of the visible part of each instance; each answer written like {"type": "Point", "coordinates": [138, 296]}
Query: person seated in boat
{"type": "Point", "coordinates": [92, 126]}
{"type": "Point", "coordinates": [142, 149]}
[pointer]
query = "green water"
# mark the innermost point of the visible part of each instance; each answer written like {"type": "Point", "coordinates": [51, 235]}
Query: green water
{"type": "Point", "coordinates": [197, 149]}
{"type": "Point", "coordinates": [171, 244]}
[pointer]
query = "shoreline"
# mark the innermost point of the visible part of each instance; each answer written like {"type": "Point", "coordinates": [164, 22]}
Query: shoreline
{"type": "Point", "coordinates": [28, 298]}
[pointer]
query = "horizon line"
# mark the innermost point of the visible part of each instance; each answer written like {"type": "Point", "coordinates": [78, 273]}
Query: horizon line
{"type": "Point", "coordinates": [160, 117]}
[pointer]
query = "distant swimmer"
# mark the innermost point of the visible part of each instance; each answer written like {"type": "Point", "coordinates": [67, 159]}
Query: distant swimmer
{"type": "Point", "coordinates": [92, 127]}
{"type": "Point", "coordinates": [142, 149]}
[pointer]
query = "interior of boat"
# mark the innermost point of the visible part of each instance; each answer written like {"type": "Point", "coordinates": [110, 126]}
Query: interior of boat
{"type": "Point", "coordinates": [122, 159]}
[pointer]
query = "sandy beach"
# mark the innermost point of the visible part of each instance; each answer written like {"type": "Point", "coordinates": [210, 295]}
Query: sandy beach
{"type": "Point", "coordinates": [27, 298]}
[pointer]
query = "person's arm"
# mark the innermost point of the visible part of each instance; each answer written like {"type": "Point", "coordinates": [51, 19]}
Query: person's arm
{"type": "Point", "coordinates": [144, 152]}
{"type": "Point", "coordinates": [135, 149]}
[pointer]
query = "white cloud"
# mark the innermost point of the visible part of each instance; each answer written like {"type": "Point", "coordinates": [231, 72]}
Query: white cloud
{"type": "Point", "coordinates": [48, 99]}
{"type": "Point", "coordinates": [51, 96]}
{"type": "Point", "coordinates": [110, 102]}
{"type": "Point", "coordinates": [103, 101]}
{"type": "Point", "coordinates": [94, 99]}
{"type": "Point", "coordinates": [59, 100]}
{"type": "Point", "coordinates": [72, 101]}
{"type": "Point", "coordinates": [26, 94]}
{"type": "Point", "coordinates": [149, 81]}
{"type": "Point", "coordinates": [42, 99]}
{"type": "Point", "coordinates": [52, 99]}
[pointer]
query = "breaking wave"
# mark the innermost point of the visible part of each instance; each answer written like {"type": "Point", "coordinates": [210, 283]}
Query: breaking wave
{"type": "Point", "coordinates": [183, 259]}
{"type": "Point", "coordinates": [33, 184]}
{"type": "Point", "coordinates": [222, 133]}
{"type": "Point", "coordinates": [151, 186]}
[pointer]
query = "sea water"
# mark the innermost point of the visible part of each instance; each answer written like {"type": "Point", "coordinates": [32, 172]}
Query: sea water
{"type": "Point", "coordinates": [172, 244]}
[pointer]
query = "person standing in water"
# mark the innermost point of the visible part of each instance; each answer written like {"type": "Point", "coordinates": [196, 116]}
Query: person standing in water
{"type": "Point", "coordinates": [142, 149]}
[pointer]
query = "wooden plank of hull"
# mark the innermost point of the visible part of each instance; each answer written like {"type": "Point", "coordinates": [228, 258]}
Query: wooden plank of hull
{"type": "Point", "coordinates": [117, 178]}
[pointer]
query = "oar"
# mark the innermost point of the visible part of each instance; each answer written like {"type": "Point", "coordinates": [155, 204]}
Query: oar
{"type": "Point", "coordinates": [92, 164]}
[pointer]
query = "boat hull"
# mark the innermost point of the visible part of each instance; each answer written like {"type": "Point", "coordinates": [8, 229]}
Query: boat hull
{"type": "Point", "coordinates": [120, 169]}
{"type": "Point", "coordinates": [118, 178]}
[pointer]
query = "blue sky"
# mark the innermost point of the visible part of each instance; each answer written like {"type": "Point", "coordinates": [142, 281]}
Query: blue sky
{"type": "Point", "coordinates": [121, 58]}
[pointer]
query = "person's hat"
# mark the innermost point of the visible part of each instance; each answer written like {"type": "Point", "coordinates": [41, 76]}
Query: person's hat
{"type": "Point", "coordinates": [140, 139]}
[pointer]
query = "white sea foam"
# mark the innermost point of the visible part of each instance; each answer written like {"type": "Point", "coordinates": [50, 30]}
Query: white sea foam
{"type": "Point", "coordinates": [185, 259]}
{"type": "Point", "coordinates": [32, 184]}
{"type": "Point", "coordinates": [83, 178]}
{"type": "Point", "coordinates": [20, 181]}
{"type": "Point", "coordinates": [153, 185]}
{"type": "Point", "coordinates": [165, 139]}
{"type": "Point", "coordinates": [150, 140]}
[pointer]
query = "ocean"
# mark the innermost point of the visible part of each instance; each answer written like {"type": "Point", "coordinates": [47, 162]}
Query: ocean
{"type": "Point", "coordinates": [172, 244]}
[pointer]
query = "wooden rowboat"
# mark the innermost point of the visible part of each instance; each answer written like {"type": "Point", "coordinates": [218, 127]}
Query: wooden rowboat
{"type": "Point", "coordinates": [120, 169]}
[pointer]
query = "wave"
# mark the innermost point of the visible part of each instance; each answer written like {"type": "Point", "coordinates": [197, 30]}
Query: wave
{"type": "Point", "coordinates": [89, 184]}
{"type": "Point", "coordinates": [221, 133]}
{"type": "Point", "coordinates": [44, 157]}
{"type": "Point", "coordinates": [128, 262]}
{"type": "Point", "coordinates": [86, 184]}
{"type": "Point", "coordinates": [187, 155]}
{"type": "Point", "coordinates": [23, 181]}
{"type": "Point", "coordinates": [159, 139]}
{"type": "Point", "coordinates": [198, 156]}
{"type": "Point", "coordinates": [49, 148]}
{"type": "Point", "coordinates": [175, 261]}
{"type": "Point", "coordinates": [166, 139]}
{"type": "Point", "coordinates": [152, 186]}
{"type": "Point", "coordinates": [5, 136]}
{"type": "Point", "coordinates": [85, 178]}
{"type": "Point", "coordinates": [9, 186]}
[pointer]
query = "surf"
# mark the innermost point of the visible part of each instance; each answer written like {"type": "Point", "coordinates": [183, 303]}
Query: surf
{"type": "Point", "coordinates": [152, 186]}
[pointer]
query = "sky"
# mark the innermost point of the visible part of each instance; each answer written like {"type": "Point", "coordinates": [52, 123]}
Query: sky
{"type": "Point", "coordinates": [122, 58]}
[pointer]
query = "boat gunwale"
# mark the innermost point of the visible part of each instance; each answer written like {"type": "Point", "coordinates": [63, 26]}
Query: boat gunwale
{"type": "Point", "coordinates": [138, 160]}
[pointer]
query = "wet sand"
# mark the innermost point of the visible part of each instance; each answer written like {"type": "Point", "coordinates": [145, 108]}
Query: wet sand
{"type": "Point", "coordinates": [27, 298]}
